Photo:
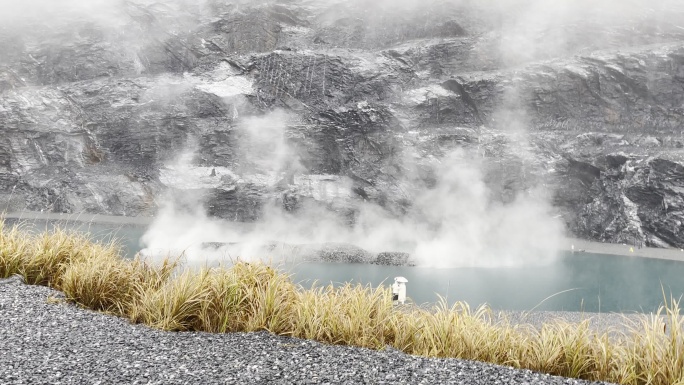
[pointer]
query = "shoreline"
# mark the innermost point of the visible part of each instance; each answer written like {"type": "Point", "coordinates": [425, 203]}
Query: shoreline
{"type": "Point", "coordinates": [580, 245]}
{"type": "Point", "coordinates": [78, 217]}
{"type": "Point", "coordinates": [592, 247]}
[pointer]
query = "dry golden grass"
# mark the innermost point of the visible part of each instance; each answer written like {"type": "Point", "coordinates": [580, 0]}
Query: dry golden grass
{"type": "Point", "coordinates": [15, 245]}
{"type": "Point", "coordinates": [42, 258]}
{"type": "Point", "coordinates": [350, 315]}
{"type": "Point", "coordinates": [254, 296]}
{"type": "Point", "coordinates": [105, 282]}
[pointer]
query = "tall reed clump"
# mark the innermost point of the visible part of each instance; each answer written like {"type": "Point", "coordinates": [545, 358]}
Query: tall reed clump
{"type": "Point", "coordinates": [654, 351]}
{"type": "Point", "coordinates": [247, 297]}
{"type": "Point", "coordinates": [42, 258]}
{"type": "Point", "coordinates": [458, 331]}
{"type": "Point", "coordinates": [15, 246]}
{"type": "Point", "coordinates": [350, 315]}
{"type": "Point", "coordinates": [570, 350]}
{"type": "Point", "coordinates": [103, 281]}
{"type": "Point", "coordinates": [54, 251]}
{"type": "Point", "coordinates": [254, 296]}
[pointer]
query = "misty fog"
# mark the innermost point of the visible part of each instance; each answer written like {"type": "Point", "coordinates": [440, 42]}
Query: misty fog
{"type": "Point", "coordinates": [454, 220]}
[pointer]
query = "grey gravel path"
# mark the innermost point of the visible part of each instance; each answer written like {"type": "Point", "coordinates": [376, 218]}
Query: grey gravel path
{"type": "Point", "coordinates": [50, 342]}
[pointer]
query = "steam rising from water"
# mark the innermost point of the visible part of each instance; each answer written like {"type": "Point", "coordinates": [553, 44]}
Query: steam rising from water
{"type": "Point", "coordinates": [455, 222]}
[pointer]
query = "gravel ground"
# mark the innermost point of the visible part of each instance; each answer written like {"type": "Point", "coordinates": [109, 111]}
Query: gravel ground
{"type": "Point", "coordinates": [47, 341]}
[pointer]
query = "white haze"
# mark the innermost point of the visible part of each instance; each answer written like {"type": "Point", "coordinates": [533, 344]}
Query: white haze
{"type": "Point", "coordinates": [456, 222]}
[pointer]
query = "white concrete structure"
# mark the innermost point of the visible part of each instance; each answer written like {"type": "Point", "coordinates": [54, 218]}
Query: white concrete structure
{"type": "Point", "coordinates": [399, 290]}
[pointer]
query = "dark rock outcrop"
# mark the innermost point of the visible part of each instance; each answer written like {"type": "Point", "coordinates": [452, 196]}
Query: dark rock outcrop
{"type": "Point", "coordinates": [298, 253]}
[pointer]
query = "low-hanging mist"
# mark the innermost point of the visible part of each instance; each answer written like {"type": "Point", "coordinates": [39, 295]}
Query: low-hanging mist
{"type": "Point", "coordinates": [460, 132]}
{"type": "Point", "coordinates": [452, 221]}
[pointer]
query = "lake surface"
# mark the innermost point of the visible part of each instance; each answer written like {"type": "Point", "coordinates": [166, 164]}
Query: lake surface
{"type": "Point", "coordinates": [572, 282]}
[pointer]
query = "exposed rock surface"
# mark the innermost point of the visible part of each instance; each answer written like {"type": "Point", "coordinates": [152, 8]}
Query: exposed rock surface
{"type": "Point", "coordinates": [107, 114]}
{"type": "Point", "coordinates": [329, 252]}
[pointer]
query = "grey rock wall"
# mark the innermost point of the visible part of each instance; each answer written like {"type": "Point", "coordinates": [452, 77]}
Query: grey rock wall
{"type": "Point", "coordinates": [97, 116]}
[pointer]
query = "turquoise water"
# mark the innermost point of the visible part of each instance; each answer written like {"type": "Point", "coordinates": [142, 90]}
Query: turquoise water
{"type": "Point", "coordinates": [573, 282]}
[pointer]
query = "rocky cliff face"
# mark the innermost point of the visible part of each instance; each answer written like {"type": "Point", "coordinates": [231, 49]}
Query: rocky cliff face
{"type": "Point", "coordinates": [333, 103]}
